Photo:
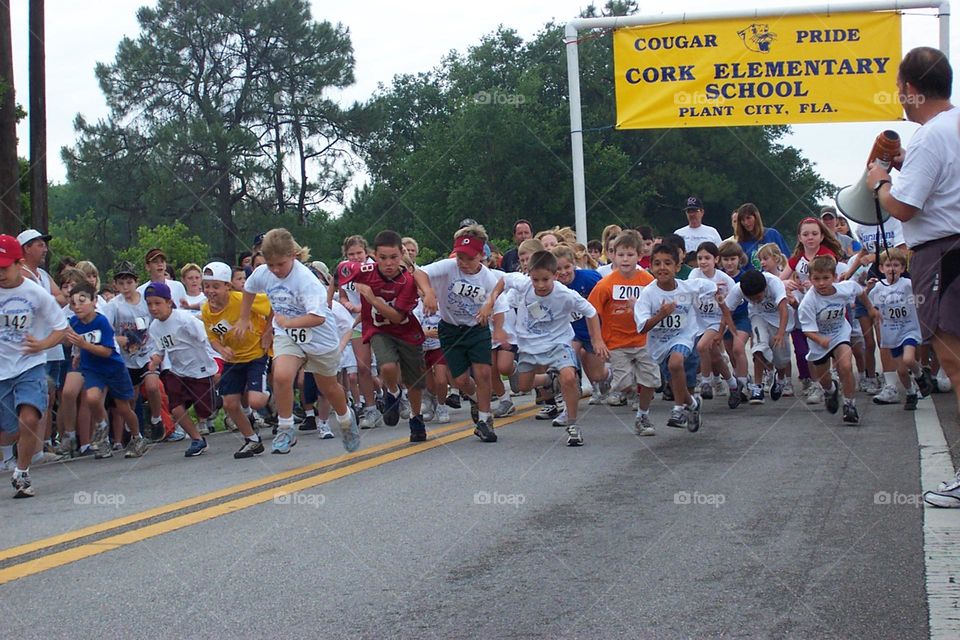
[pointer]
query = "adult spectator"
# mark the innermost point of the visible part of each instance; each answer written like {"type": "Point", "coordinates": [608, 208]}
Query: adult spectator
{"type": "Point", "coordinates": [828, 216]}
{"type": "Point", "coordinates": [926, 199]}
{"type": "Point", "coordinates": [156, 263]}
{"type": "Point", "coordinates": [522, 230]}
{"type": "Point", "coordinates": [34, 247]}
{"type": "Point", "coordinates": [696, 232]}
{"type": "Point", "coordinates": [750, 234]}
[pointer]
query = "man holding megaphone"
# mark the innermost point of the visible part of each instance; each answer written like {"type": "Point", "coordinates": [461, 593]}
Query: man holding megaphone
{"type": "Point", "coordinates": [926, 198]}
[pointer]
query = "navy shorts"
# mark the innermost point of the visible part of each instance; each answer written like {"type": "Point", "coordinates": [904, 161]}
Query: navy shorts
{"type": "Point", "coordinates": [825, 359]}
{"type": "Point", "coordinates": [116, 379]}
{"type": "Point", "coordinates": [240, 377]}
{"type": "Point", "coordinates": [897, 352]}
{"type": "Point", "coordinates": [28, 388]}
{"type": "Point", "coordinates": [56, 372]}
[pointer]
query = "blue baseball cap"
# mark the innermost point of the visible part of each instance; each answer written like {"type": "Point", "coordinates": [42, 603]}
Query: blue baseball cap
{"type": "Point", "coordinates": [159, 290]}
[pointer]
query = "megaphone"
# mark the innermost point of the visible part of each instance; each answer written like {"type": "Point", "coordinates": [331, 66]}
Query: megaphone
{"type": "Point", "coordinates": [858, 201]}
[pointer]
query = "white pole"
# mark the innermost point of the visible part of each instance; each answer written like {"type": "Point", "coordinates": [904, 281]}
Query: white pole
{"type": "Point", "coordinates": [576, 134]}
{"type": "Point", "coordinates": [945, 28]}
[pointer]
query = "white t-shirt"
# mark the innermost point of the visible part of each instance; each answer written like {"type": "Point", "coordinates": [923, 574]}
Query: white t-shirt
{"type": "Point", "coordinates": [344, 319]}
{"type": "Point", "coordinates": [898, 312]}
{"type": "Point", "coordinates": [709, 309]}
{"type": "Point", "coordinates": [681, 326]}
{"type": "Point", "coordinates": [298, 294]}
{"type": "Point", "coordinates": [177, 290]}
{"type": "Point", "coordinates": [182, 339]}
{"type": "Point", "coordinates": [459, 295]}
{"type": "Point", "coordinates": [507, 305]}
{"type": "Point", "coordinates": [543, 322]}
{"type": "Point", "coordinates": [930, 179]}
{"type": "Point", "coordinates": [197, 300]}
{"type": "Point", "coordinates": [869, 234]}
{"type": "Point", "coordinates": [693, 238]}
{"type": "Point", "coordinates": [768, 309]}
{"type": "Point", "coordinates": [428, 322]}
{"type": "Point", "coordinates": [131, 321]}
{"type": "Point", "coordinates": [827, 315]}
{"type": "Point", "coordinates": [25, 310]}
{"type": "Point", "coordinates": [43, 278]}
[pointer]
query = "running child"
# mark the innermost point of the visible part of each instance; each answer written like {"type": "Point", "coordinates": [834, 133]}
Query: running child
{"type": "Point", "coordinates": [544, 332]}
{"type": "Point", "coordinates": [243, 383]}
{"type": "Point", "coordinates": [733, 262]}
{"type": "Point", "coordinates": [710, 342]}
{"type": "Point", "coordinates": [103, 369]}
{"type": "Point", "coordinates": [773, 261]}
{"type": "Point", "coordinates": [31, 322]}
{"type": "Point", "coordinates": [305, 333]}
{"type": "Point", "coordinates": [895, 311]}
{"type": "Point", "coordinates": [823, 317]}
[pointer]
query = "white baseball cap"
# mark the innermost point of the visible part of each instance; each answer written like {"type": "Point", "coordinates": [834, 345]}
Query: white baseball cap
{"type": "Point", "coordinates": [30, 235]}
{"type": "Point", "coordinates": [218, 271]}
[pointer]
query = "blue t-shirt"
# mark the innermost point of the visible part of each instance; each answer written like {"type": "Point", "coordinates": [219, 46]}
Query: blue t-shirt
{"type": "Point", "coordinates": [750, 246]}
{"type": "Point", "coordinates": [584, 280]}
{"type": "Point", "coordinates": [741, 311]}
{"type": "Point", "coordinates": [98, 331]}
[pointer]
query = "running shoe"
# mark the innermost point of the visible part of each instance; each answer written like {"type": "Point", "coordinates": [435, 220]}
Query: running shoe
{"type": "Point", "coordinates": [103, 450]}
{"type": "Point", "coordinates": [66, 447]}
{"type": "Point", "coordinates": [736, 395]}
{"type": "Point", "coordinates": [548, 412]}
{"type": "Point", "coordinates": [177, 435]}
{"type": "Point", "coordinates": [887, 395]}
{"type": "Point", "coordinates": [404, 406]}
{"type": "Point", "coordinates": [814, 394]}
{"type": "Point", "coordinates": [945, 498]}
{"type": "Point", "coordinates": [284, 441]}
{"type": "Point", "coordinates": [474, 411]}
{"type": "Point", "coordinates": [350, 433]}
{"type": "Point", "coordinates": [616, 399]}
{"type": "Point", "coordinates": [371, 418]}
{"type": "Point", "coordinates": [574, 437]}
{"type": "Point", "coordinates": [504, 408]}
{"type": "Point", "coordinates": [850, 414]}
{"type": "Point", "coordinates": [596, 396]}
{"type": "Point", "coordinates": [756, 394]}
{"type": "Point", "coordinates": [910, 404]}
{"type": "Point", "coordinates": [391, 409]}
{"type": "Point", "coordinates": [706, 390]}
{"type": "Point", "coordinates": [443, 414]}
{"type": "Point", "coordinates": [720, 388]}
{"type": "Point", "coordinates": [562, 419]}
{"type": "Point", "coordinates": [642, 426]}
{"type": "Point", "coordinates": [776, 389]}
{"type": "Point", "coordinates": [453, 401]}
{"type": "Point", "coordinates": [309, 424]}
{"type": "Point", "coordinates": [831, 399]}
{"type": "Point", "coordinates": [428, 409]}
{"type": "Point", "coordinates": [249, 449]}
{"type": "Point", "coordinates": [196, 448]}
{"type": "Point", "coordinates": [22, 486]}
{"type": "Point", "coordinates": [418, 430]}
{"type": "Point", "coordinates": [925, 382]}
{"type": "Point", "coordinates": [694, 416]}
{"type": "Point", "coordinates": [484, 431]}
{"type": "Point", "coordinates": [136, 447]}
{"type": "Point", "coordinates": [323, 430]}
{"type": "Point", "coordinates": [788, 391]}
{"type": "Point", "coordinates": [678, 418]}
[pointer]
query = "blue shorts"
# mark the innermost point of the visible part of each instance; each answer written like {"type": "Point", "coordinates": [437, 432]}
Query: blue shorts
{"type": "Point", "coordinates": [240, 377]}
{"type": "Point", "coordinates": [28, 388]}
{"type": "Point", "coordinates": [859, 310]}
{"type": "Point", "coordinates": [897, 352]}
{"type": "Point", "coordinates": [116, 379]}
{"type": "Point", "coordinates": [691, 364]}
{"type": "Point", "coordinates": [585, 343]}
{"type": "Point", "coordinates": [742, 323]}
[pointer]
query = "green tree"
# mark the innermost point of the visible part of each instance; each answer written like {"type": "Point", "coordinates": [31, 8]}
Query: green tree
{"type": "Point", "coordinates": [177, 243]}
{"type": "Point", "coordinates": [208, 107]}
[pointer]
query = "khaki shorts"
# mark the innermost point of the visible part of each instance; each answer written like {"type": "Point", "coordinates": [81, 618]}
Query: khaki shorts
{"type": "Point", "coordinates": [325, 364]}
{"type": "Point", "coordinates": [935, 276]}
{"type": "Point", "coordinates": [632, 366]}
{"type": "Point", "coordinates": [409, 357]}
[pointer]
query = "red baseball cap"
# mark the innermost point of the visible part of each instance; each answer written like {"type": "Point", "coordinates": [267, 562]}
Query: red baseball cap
{"type": "Point", "coordinates": [347, 271]}
{"type": "Point", "coordinates": [473, 247]}
{"type": "Point", "coordinates": [10, 250]}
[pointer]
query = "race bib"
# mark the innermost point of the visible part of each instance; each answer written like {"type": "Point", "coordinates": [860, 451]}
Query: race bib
{"type": "Point", "coordinates": [221, 329]}
{"type": "Point", "coordinates": [471, 291]}
{"type": "Point", "coordinates": [93, 337]}
{"type": "Point", "coordinates": [672, 322]}
{"type": "Point", "coordinates": [16, 321]}
{"type": "Point", "coordinates": [897, 313]}
{"type": "Point", "coordinates": [626, 291]}
{"type": "Point", "coordinates": [166, 342]}
{"type": "Point", "coordinates": [298, 336]}
{"type": "Point", "coordinates": [709, 308]}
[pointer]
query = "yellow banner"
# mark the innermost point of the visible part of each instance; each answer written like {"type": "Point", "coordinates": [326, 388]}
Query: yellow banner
{"type": "Point", "coordinates": [786, 70]}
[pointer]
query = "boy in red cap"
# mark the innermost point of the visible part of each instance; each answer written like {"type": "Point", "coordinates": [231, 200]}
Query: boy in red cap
{"type": "Point", "coordinates": [30, 322]}
{"type": "Point", "coordinates": [465, 285]}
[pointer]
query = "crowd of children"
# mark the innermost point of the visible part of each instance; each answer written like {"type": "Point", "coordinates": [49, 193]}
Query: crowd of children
{"type": "Point", "coordinates": [87, 370]}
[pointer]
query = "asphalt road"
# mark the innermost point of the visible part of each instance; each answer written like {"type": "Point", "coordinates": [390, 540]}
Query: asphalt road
{"type": "Point", "coordinates": [771, 522]}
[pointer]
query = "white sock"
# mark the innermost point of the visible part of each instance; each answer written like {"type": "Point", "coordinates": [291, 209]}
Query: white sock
{"type": "Point", "coordinates": [345, 418]}
{"type": "Point", "coordinates": [309, 413]}
{"type": "Point", "coordinates": [642, 412]}
{"type": "Point", "coordinates": [254, 438]}
{"type": "Point", "coordinates": [890, 379]}
{"type": "Point", "coordinates": [155, 419]}
{"type": "Point", "coordinates": [20, 472]}
{"type": "Point", "coordinates": [7, 451]}
{"type": "Point", "coordinates": [285, 423]}
{"type": "Point", "coordinates": [484, 415]}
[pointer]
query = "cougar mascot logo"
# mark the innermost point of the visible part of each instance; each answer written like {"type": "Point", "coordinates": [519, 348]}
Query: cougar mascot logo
{"type": "Point", "coordinates": [757, 37]}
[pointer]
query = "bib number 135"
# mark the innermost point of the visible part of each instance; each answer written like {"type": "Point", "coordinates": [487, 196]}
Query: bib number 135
{"type": "Point", "coordinates": [298, 336]}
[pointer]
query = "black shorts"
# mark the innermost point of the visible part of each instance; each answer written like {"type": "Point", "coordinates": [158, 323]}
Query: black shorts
{"type": "Point", "coordinates": [464, 346]}
{"type": "Point", "coordinates": [825, 359]}
{"type": "Point", "coordinates": [240, 377]}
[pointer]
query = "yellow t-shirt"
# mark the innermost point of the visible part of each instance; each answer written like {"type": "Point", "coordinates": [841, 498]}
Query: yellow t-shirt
{"type": "Point", "coordinates": [219, 326]}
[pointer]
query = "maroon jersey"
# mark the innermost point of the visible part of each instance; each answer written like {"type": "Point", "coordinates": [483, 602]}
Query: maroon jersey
{"type": "Point", "coordinates": [399, 292]}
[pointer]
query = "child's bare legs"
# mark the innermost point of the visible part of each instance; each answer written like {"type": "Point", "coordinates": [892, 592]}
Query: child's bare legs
{"type": "Point", "coordinates": [678, 380]}
{"type": "Point", "coordinates": [571, 392]}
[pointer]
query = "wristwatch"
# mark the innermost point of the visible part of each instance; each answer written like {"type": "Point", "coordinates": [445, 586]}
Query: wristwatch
{"type": "Point", "coordinates": [880, 183]}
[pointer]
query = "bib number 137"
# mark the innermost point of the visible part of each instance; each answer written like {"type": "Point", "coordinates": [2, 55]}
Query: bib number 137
{"type": "Point", "coordinates": [298, 336]}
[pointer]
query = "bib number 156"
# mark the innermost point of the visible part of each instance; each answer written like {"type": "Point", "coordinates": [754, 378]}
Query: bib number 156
{"type": "Point", "coordinates": [298, 336]}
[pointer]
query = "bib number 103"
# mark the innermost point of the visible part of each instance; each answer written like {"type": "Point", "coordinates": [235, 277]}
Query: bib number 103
{"type": "Point", "coordinates": [674, 321]}
{"type": "Point", "coordinates": [298, 336]}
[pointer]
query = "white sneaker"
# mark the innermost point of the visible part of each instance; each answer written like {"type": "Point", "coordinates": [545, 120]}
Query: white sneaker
{"type": "Point", "coordinates": [443, 414]}
{"type": "Point", "coordinates": [404, 406]}
{"type": "Point", "coordinates": [504, 408]}
{"type": "Point", "coordinates": [814, 395]}
{"type": "Point", "coordinates": [887, 395]}
{"type": "Point", "coordinates": [943, 382]}
{"type": "Point", "coordinates": [429, 408]}
{"type": "Point", "coordinates": [616, 399]}
{"type": "Point", "coordinates": [720, 388]}
{"type": "Point", "coordinates": [561, 420]}
{"type": "Point", "coordinates": [323, 430]}
{"type": "Point", "coordinates": [787, 389]}
{"type": "Point", "coordinates": [596, 397]}
{"type": "Point", "coordinates": [371, 418]}
{"type": "Point", "coordinates": [9, 464]}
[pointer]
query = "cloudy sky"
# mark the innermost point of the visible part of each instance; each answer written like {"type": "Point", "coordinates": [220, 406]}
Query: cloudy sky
{"type": "Point", "coordinates": [388, 38]}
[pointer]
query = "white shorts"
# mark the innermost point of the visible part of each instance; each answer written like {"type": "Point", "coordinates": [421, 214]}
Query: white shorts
{"type": "Point", "coordinates": [559, 357]}
{"type": "Point", "coordinates": [763, 333]}
{"type": "Point", "coordinates": [632, 366]}
{"type": "Point", "coordinates": [325, 364]}
{"type": "Point", "coordinates": [348, 359]}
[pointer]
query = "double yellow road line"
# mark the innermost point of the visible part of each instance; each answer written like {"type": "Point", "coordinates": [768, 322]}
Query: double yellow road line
{"type": "Point", "coordinates": [59, 550]}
